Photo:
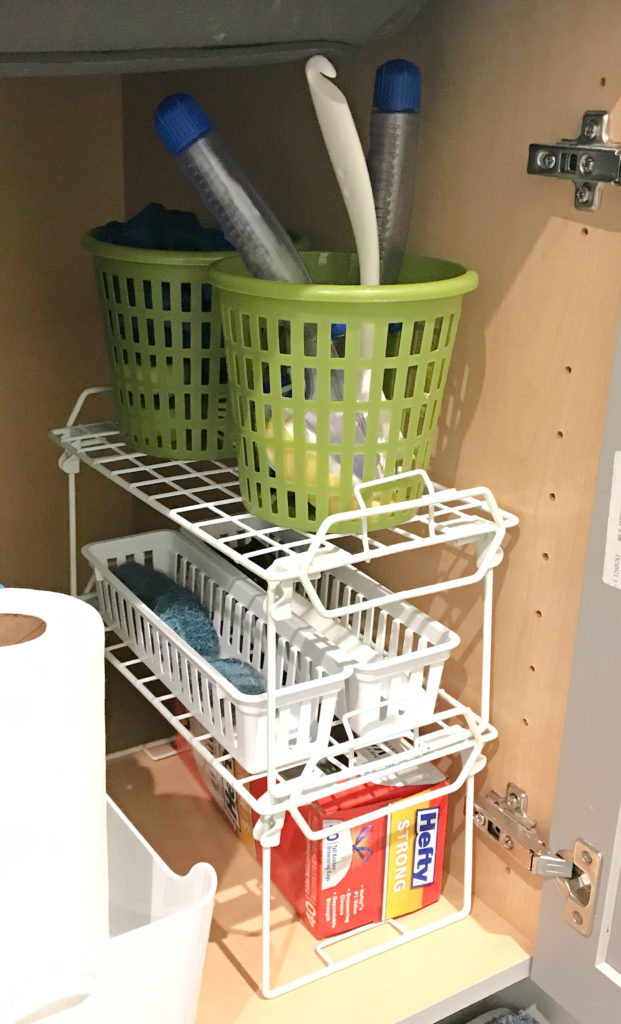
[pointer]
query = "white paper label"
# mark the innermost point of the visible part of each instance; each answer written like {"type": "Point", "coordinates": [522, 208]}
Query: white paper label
{"type": "Point", "coordinates": [612, 555]}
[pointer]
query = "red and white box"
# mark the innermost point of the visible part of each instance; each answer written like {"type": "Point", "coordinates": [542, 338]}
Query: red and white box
{"type": "Point", "coordinates": [357, 876]}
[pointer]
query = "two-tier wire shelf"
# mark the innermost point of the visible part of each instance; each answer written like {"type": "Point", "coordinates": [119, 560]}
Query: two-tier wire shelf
{"type": "Point", "coordinates": [324, 580]}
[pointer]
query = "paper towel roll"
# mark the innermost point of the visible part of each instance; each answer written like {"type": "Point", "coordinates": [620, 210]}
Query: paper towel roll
{"type": "Point", "coordinates": [53, 851]}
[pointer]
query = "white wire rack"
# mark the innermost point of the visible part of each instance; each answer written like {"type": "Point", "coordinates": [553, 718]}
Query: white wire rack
{"type": "Point", "coordinates": [203, 499]}
{"type": "Point", "coordinates": [454, 731]}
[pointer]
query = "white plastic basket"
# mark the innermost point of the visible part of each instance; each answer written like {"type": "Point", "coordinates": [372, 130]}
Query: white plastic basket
{"type": "Point", "coordinates": [151, 967]}
{"type": "Point", "coordinates": [397, 653]}
{"type": "Point", "coordinates": [309, 678]}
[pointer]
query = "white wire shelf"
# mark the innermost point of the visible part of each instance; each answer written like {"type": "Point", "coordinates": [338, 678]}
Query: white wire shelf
{"type": "Point", "coordinates": [348, 761]}
{"type": "Point", "coordinates": [385, 762]}
{"type": "Point", "coordinates": [203, 498]}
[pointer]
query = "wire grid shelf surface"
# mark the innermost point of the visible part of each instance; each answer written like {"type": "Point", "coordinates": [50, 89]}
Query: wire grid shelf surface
{"type": "Point", "coordinates": [203, 498]}
{"type": "Point", "coordinates": [454, 730]}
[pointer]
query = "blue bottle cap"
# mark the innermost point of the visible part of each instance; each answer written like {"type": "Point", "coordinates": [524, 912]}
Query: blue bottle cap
{"type": "Point", "coordinates": [338, 331]}
{"type": "Point", "coordinates": [180, 121]}
{"type": "Point", "coordinates": [397, 87]}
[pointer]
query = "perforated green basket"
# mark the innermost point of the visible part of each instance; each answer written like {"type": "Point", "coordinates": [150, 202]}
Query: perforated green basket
{"type": "Point", "coordinates": [394, 354]}
{"type": "Point", "coordinates": [165, 350]}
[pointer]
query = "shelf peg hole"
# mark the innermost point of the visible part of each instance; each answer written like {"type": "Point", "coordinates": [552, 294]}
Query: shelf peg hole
{"type": "Point", "coordinates": [546, 557]}
{"type": "Point", "coordinates": [568, 369]}
{"type": "Point", "coordinates": [584, 232]}
{"type": "Point", "coordinates": [552, 496]}
{"type": "Point", "coordinates": [531, 668]}
{"type": "Point", "coordinates": [525, 721]}
{"type": "Point", "coordinates": [602, 81]}
{"type": "Point", "coordinates": [560, 434]}
{"type": "Point", "coordinates": [538, 613]}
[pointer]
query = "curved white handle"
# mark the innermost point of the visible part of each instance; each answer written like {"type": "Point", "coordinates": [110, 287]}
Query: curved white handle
{"type": "Point", "coordinates": [347, 156]}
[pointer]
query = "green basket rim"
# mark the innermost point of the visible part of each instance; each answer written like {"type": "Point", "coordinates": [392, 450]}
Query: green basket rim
{"type": "Point", "coordinates": [163, 257]}
{"type": "Point", "coordinates": [233, 276]}
{"type": "Point", "coordinates": [159, 257]}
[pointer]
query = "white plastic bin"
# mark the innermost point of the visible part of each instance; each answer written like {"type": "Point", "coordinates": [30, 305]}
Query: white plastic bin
{"type": "Point", "coordinates": [159, 926]}
{"type": "Point", "coordinates": [397, 653]}
{"type": "Point", "coordinates": [309, 677]}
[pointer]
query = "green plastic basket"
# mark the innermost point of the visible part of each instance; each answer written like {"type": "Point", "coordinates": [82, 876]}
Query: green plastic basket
{"type": "Point", "coordinates": [293, 476]}
{"type": "Point", "coordinates": [165, 350]}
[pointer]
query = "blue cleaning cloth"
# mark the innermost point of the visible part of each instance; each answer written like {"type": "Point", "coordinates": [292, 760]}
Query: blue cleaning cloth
{"type": "Point", "coordinates": [175, 605]}
{"type": "Point", "coordinates": [182, 612]}
{"type": "Point", "coordinates": [155, 227]}
{"type": "Point", "coordinates": [147, 584]}
{"type": "Point", "coordinates": [242, 675]}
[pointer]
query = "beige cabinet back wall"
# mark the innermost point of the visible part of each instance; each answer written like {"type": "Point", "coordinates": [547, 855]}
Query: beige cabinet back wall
{"type": "Point", "coordinates": [61, 169]}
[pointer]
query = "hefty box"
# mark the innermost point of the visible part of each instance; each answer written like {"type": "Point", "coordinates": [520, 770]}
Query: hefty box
{"type": "Point", "coordinates": [354, 877]}
{"type": "Point", "coordinates": [358, 875]}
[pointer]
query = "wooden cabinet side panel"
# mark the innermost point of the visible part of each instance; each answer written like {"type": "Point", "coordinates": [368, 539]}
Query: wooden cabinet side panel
{"type": "Point", "coordinates": [62, 172]}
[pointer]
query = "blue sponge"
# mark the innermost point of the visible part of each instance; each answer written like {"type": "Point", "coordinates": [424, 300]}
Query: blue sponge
{"type": "Point", "coordinates": [147, 584]}
{"type": "Point", "coordinates": [242, 675]}
{"type": "Point", "coordinates": [175, 605]}
{"type": "Point", "coordinates": [182, 612]}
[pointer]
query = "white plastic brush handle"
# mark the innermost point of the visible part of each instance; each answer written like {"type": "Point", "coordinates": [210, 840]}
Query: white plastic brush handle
{"type": "Point", "coordinates": [348, 160]}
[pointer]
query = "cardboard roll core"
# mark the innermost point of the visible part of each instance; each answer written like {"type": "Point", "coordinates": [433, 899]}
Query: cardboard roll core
{"type": "Point", "coordinates": [19, 629]}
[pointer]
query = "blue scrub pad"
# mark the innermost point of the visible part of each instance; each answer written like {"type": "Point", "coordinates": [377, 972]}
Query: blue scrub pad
{"type": "Point", "coordinates": [175, 605]}
{"type": "Point", "coordinates": [245, 677]}
{"type": "Point", "coordinates": [147, 584]}
{"type": "Point", "coordinates": [182, 612]}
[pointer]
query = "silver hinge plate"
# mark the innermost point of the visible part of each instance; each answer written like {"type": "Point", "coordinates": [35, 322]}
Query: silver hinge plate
{"type": "Point", "coordinates": [506, 823]}
{"type": "Point", "coordinates": [590, 161]}
{"type": "Point", "coordinates": [581, 889]}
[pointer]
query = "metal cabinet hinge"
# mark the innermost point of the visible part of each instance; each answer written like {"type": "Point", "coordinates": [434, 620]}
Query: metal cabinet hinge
{"type": "Point", "coordinates": [580, 889]}
{"type": "Point", "coordinates": [590, 161]}
{"type": "Point", "coordinates": [505, 822]}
